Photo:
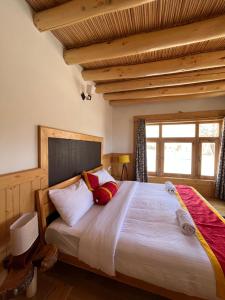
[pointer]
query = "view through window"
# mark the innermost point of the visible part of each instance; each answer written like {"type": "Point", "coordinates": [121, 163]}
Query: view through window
{"type": "Point", "coordinates": [187, 149]}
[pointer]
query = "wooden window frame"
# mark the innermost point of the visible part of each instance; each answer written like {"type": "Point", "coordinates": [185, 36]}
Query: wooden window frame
{"type": "Point", "coordinates": [196, 148]}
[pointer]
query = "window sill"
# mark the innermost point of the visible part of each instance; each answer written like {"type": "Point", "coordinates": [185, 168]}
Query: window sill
{"type": "Point", "coordinates": [206, 187]}
{"type": "Point", "coordinates": [180, 178]}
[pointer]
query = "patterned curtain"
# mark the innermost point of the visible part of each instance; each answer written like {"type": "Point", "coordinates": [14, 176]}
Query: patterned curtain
{"type": "Point", "coordinates": [141, 156]}
{"type": "Point", "coordinates": [220, 182]}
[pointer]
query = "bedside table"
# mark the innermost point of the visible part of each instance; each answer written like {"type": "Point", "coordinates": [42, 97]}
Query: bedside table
{"type": "Point", "coordinates": [20, 279]}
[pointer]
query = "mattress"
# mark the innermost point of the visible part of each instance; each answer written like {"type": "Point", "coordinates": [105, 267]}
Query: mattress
{"type": "Point", "coordinates": [66, 238]}
{"type": "Point", "coordinates": [150, 246]}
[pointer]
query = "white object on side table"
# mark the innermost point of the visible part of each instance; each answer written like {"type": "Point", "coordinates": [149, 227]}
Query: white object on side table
{"type": "Point", "coordinates": [23, 233]}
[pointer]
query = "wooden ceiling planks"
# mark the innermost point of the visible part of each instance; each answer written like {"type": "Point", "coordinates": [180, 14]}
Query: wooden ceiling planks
{"type": "Point", "coordinates": [152, 16]}
{"type": "Point", "coordinates": [149, 17]}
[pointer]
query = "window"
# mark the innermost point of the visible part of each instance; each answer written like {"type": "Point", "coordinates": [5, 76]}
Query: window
{"type": "Point", "coordinates": [183, 149]}
{"type": "Point", "coordinates": [177, 158]}
{"type": "Point", "coordinates": [178, 130]}
{"type": "Point", "coordinates": [151, 157]}
{"type": "Point", "coordinates": [207, 159]}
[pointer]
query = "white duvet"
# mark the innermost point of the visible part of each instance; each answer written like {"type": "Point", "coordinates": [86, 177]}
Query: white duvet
{"type": "Point", "coordinates": [137, 234]}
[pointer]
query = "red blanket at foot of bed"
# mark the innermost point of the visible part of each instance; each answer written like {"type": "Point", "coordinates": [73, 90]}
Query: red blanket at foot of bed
{"type": "Point", "coordinates": [210, 227]}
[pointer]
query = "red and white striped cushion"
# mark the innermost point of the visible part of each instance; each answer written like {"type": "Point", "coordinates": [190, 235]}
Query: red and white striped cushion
{"type": "Point", "coordinates": [104, 193]}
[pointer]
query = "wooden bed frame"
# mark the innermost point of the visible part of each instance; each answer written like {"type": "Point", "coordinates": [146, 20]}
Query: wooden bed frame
{"type": "Point", "coordinates": [45, 208]}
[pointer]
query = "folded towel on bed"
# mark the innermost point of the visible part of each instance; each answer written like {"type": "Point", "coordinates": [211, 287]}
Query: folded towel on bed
{"type": "Point", "coordinates": [170, 187]}
{"type": "Point", "coordinates": [185, 222]}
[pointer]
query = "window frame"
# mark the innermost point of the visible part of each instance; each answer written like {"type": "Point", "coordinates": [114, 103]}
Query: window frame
{"type": "Point", "coordinates": [196, 149]}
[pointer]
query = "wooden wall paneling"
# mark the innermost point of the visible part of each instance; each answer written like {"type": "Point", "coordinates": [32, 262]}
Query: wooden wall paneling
{"type": "Point", "coordinates": [17, 195]}
{"type": "Point", "coordinates": [117, 167]}
{"type": "Point", "coordinates": [16, 200]}
{"type": "Point", "coordinates": [204, 187]}
{"type": "Point", "coordinates": [44, 182]}
{"type": "Point", "coordinates": [8, 180]}
{"type": "Point", "coordinates": [26, 201]}
{"type": "Point", "coordinates": [9, 215]}
{"type": "Point", "coordinates": [2, 223]}
{"type": "Point", "coordinates": [106, 162]}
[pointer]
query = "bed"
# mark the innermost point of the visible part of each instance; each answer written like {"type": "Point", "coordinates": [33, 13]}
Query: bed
{"type": "Point", "coordinates": [134, 239]}
{"type": "Point", "coordinates": [150, 252]}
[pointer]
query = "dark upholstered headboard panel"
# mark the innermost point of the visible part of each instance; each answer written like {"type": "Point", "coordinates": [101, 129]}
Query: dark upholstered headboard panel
{"type": "Point", "coordinates": [68, 158]}
{"type": "Point", "coordinates": [65, 154]}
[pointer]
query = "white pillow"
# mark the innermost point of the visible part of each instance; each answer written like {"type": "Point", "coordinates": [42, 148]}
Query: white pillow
{"type": "Point", "coordinates": [104, 176]}
{"type": "Point", "coordinates": [72, 202]}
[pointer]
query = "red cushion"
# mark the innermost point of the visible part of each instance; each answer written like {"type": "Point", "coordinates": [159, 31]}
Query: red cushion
{"type": "Point", "coordinates": [91, 181]}
{"type": "Point", "coordinates": [104, 193]}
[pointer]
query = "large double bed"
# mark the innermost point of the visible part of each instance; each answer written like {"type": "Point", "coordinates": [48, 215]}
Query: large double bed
{"type": "Point", "coordinates": [135, 238]}
{"type": "Point", "coordinates": [136, 235]}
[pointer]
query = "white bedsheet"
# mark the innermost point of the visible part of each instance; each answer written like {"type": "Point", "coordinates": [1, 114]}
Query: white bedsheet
{"type": "Point", "coordinates": [67, 238]}
{"type": "Point", "coordinates": [98, 242]}
{"type": "Point", "coordinates": [150, 245]}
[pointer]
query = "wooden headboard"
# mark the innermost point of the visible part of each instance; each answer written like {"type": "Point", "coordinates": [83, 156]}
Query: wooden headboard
{"type": "Point", "coordinates": [85, 147]}
{"type": "Point", "coordinates": [44, 205]}
{"type": "Point", "coordinates": [60, 150]}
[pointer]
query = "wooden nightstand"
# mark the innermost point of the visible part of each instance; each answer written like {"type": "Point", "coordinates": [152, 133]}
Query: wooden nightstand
{"type": "Point", "coordinates": [19, 279]}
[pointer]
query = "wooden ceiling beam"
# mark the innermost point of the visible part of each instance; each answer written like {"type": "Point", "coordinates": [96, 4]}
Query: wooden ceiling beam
{"type": "Point", "coordinates": [76, 11]}
{"type": "Point", "coordinates": [217, 86]}
{"type": "Point", "coordinates": [161, 81]}
{"type": "Point", "coordinates": [166, 99]}
{"type": "Point", "coordinates": [176, 65]}
{"type": "Point", "coordinates": [146, 42]}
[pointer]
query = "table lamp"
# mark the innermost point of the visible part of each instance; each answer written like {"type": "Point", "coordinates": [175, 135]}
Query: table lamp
{"type": "Point", "coordinates": [24, 237]}
{"type": "Point", "coordinates": [124, 159]}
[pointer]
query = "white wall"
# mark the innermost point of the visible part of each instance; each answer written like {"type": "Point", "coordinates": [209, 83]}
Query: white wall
{"type": "Point", "coordinates": [123, 117]}
{"type": "Point", "coordinates": [38, 88]}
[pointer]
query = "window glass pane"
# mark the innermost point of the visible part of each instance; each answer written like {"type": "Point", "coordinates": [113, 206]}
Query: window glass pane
{"type": "Point", "coordinates": [151, 157]}
{"type": "Point", "coordinates": [209, 130]}
{"type": "Point", "coordinates": [177, 158]}
{"type": "Point", "coordinates": [178, 130]}
{"type": "Point", "coordinates": [208, 159]}
{"type": "Point", "coordinates": [152, 131]}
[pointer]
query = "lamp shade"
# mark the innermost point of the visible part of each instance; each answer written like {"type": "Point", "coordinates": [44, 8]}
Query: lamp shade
{"type": "Point", "coordinates": [124, 159]}
{"type": "Point", "coordinates": [23, 233]}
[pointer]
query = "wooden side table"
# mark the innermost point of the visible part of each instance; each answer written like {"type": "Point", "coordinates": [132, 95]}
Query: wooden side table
{"type": "Point", "coordinates": [19, 280]}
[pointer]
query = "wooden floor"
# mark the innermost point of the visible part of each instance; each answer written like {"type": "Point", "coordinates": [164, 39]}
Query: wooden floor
{"type": "Point", "coordinates": [66, 282]}
{"type": "Point", "coordinates": [219, 205]}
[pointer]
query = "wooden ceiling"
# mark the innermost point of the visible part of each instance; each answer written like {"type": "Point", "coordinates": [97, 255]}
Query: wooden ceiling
{"type": "Point", "coordinates": [140, 51]}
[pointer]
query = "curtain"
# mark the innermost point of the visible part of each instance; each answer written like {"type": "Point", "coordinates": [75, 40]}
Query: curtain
{"type": "Point", "coordinates": [220, 182]}
{"type": "Point", "coordinates": [140, 151]}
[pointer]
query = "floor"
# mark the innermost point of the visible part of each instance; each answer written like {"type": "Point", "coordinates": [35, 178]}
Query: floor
{"type": "Point", "coordinates": [66, 282]}
{"type": "Point", "coordinates": [219, 205]}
